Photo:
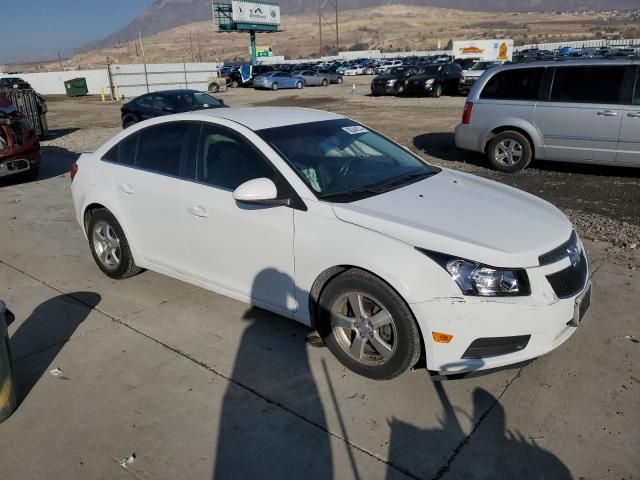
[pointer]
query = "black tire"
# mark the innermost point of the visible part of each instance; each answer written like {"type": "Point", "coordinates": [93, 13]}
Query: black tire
{"type": "Point", "coordinates": [299, 85]}
{"type": "Point", "coordinates": [274, 86]}
{"type": "Point", "coordinates": [437, 91]}
{"type": "Point", "coordinates": [30, 175]}
{"type": "Point", "coordinates": [126, 266]}
{"type": "Point", "coordinates": [128, 122]}
{"type": "Point", "coordinates": [400, 90]}
{"type": "Point", "coordinates": [214, 87]}
{"type": "Point", "coordinates": [339, 80]}
{"type": "Point", "coordinates": [501, 141]}
{"type": "Point", "coordinates": [325, 82]}
{"type": "Point", "coordinates": [406, 337]}
{"type": "Point", "coordinates": [234, 84]}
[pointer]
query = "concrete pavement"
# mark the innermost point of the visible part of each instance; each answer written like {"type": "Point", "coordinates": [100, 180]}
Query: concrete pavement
{"type": "Point", "coordinates": [200, 386]}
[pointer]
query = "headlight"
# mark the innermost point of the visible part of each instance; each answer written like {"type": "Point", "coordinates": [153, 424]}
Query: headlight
{"type": "Point", "coordinates": [429, 82]}
{"type": "Point", "coordinates": [480, 280]}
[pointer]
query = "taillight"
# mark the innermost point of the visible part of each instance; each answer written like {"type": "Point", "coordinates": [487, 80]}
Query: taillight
{"type": "Point", "coordinates": [466, 113]}
{"type": "Point", "coordinates": [74, 170]}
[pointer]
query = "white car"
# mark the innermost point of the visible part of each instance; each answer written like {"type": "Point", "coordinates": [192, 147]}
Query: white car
{"type": "Point", "coordinates": [354, 71]}
{"type": "Point", "coordinates": [318, 218]}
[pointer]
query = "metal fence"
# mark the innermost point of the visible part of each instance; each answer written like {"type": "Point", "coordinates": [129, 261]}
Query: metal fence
{"type": "Point", "coordinates": [26, 101]}
{"type": "Point", "coordinates": [137, 79]}
{"type": "Point", "coordinates": [632, 42]}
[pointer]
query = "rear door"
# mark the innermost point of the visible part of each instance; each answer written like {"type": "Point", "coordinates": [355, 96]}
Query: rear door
{"type": "Point", "coordinates": [629, 142]}
{"type": "Point", "coordinates": [580, 120]}
{"type": "Point", "coordinates": [149, 186]}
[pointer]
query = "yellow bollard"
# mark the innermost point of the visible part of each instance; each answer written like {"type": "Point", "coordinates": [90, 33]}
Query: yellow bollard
{"type": "Point", "coordinates": [117, 93]}
{"type": "Point", "coordinates": [102, 94]}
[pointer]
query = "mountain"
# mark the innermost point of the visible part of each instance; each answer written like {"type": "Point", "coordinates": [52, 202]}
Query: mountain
{"type": "Point", "coordinates": [163, 15]}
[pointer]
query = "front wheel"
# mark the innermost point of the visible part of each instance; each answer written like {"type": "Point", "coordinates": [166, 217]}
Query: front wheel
{"type": "Point", "coordinates": [214, 87]}
{"type": "Point", "coordinates": [367, 326]}
{"type": "Point", "coordinates": [509, 152]}
{"type": "Point", "coordinates": [109, 246]}
{"type": "Point", "coordinates": [339, 80]}
{"type": "Point", "coordinates": [274, 86]}
{"type": "Point", "coordinates": [299, 85]}
{"type": "Point", "coordinates": [325, 82]}
{"type": "Point", "coordinates": [234, 84]}
{"type": "Point", "coordinates": [437, 91]}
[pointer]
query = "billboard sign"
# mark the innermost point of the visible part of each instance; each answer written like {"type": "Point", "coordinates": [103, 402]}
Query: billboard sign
{"type": "Point", "coordinates": [255, 13]}
{"type": "Point", "coordinates": [484, 49]}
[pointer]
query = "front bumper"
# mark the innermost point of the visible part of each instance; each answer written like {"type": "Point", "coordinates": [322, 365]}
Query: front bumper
{"type": "Point", "coordinates": [468, 319]}
{"type": "Point", "coordinates": [19, 163]}
{"type": "Point", "coordinates": [383, 89]}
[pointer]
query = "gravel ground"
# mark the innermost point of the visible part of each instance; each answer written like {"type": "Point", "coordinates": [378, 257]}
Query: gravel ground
{"type": "Point", "coordinates": [602, 202]}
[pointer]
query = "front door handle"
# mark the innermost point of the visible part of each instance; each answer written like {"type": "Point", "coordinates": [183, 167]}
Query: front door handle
{"type": "Point", "coordinates": [607, 113]}
{"type": "Point", "coordinates": [126, 188]}
{"type": "Point", "coordinates": [198, 211]}
{"type": "Point", "coordinates": [634, 114]}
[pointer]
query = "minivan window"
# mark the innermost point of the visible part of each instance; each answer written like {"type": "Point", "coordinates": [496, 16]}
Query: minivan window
{"type": "Point", "coordinates": [514, 84]}
{"type": "Point", "coordinates": [588, 84]}
{"type": "Point", "coordinates": [160, 147]}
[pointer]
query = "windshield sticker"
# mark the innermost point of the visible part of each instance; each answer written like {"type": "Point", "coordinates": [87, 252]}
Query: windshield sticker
{"type": "Point", "coordinates": [355, 130]}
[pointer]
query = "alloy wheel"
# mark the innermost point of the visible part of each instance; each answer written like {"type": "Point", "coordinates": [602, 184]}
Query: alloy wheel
{"type": "Point", "coordinates": [364, 328]}
{"type": "Point", "coordinates": [107, 245]}
{"type": "Point", "coordinates": [508, 152]}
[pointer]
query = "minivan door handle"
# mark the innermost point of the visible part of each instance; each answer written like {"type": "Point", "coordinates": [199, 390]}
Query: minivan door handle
{"type": "Point", "coordinates": [198, 211]}
{"type": "Point", "coordinates": [607, 113]}
{"type": "Point", "coordinates": [634, 114]}
{"type": "Point", "coordinates": [126, 188]}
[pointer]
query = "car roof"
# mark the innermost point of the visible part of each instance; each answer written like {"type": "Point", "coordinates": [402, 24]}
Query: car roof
{"type": "Point", "coordinates": [568, 62]}
{"type": "Point", "coordinates": [259, 118]}
{"type": "Point", "coordinates": [175, 91]}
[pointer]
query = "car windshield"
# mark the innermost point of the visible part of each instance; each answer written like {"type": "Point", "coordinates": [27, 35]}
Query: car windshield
{"type": "Point", "coordinates": [482, 65]}
{"type": "Point", "coordinates": [431, 70]}
{"type": "Point", "coordinates": [185, 102]}
{"type": "Point", "coordinates": [343, 161]}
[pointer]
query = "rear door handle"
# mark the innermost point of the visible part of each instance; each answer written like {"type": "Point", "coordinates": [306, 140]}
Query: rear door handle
{"type": "Point", "coordinates": [126, 188]}
{"type": "Point", "coordinates": [198, 211]}
{"type": "Point", "coordinates": [607, 113]}
{"type": "Point", "coordinates": [634, 114]}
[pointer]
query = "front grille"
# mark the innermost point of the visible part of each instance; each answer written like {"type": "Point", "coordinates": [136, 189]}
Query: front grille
{"type": "Point", "coordinates": [571, 280]}
{"type": "Point", "coordinates": [496, 346]}
{"type": "Point", "coordinates": [560, 252]}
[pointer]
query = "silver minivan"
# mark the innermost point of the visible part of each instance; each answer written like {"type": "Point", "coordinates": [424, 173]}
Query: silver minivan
{"type": "Point", "coordinates": [584, 111]}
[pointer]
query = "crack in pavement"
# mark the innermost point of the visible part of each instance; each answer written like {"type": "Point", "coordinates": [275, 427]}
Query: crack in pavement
{"type": "Point", "coordinates": [229, 379]}
{"type": "Point", "coordinates": [456, 451]}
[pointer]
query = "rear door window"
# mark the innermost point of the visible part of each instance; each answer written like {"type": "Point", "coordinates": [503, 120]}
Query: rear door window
{"type": "Point", "coordinates": [588, 84]}
{"type": "Point", "coordinates": [124, 152]}
{"type": "Point", "coordinates": [516, 84]}
{"type": "Point", "coordinates": [160, 147]}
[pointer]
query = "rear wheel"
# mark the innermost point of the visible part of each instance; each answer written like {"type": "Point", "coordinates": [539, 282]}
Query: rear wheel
{"type": "Point", "coordinates": [339, 80]}
{"type": "Point", "coordinates": [214, 87]}
{"type": "Point", "coordinates": [109, 246]}
{"type": "Point", "coordinates": [128, 122]}
{"type": "Point", "coordinates": [437, 91]}
{"type": "Point", "coordinates": [367, 326]}
{"type": "Point", "coordinates": [509, 151]}
{"type": "Point", "coordinates": [234, 84]}
{"type": "Point", "coordinates": [274, 86]}
{"type": "Point", "coordinates": [325, 82]}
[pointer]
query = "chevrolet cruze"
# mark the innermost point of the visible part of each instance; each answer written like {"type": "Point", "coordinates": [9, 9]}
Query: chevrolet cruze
{"type": "Point", "coordinates": [319, 218]}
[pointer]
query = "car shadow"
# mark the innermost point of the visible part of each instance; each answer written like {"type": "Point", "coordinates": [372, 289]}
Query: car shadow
{"type": "Point", "coordinates": [59, 133]}
{"type": "Point", "coordinates": [38, 340]}
{"type": "Point", "coordinates": [441, 145]}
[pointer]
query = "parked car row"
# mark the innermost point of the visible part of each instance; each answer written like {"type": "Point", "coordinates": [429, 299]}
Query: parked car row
{"type": "Point", "coordinates": [428, 80]}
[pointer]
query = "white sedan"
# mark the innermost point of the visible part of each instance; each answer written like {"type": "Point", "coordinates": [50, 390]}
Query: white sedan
{"type": "Point", "coordinates": [351, 71]}
{"type": "Point", "coordinates": [321, 219]}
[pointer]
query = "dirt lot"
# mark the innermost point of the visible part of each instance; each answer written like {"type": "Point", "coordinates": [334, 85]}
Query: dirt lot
{"type": "Point", "coordinates": [152, 378]}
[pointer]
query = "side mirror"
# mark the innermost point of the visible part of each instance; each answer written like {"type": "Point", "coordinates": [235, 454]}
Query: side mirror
{"type": "Point", "coordinates": [259, 191]}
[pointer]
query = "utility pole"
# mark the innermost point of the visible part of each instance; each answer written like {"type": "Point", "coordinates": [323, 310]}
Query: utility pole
{"type": "Point", "coordinates": [191, 45]}
{"type": "Point", "coordinates": [320, 26]}
{"type": "Point", "coordinates": [59, 60]}
{"type": "Point", "coordinates": [198, 46]}
{"type": "Point", "coordinates": [337, 35]}
{"type": "Point", "coordinates": [141, 44]}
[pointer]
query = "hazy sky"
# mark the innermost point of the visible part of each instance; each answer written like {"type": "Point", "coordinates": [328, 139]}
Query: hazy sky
{"type": "Point", "coordinates": [36, 29]}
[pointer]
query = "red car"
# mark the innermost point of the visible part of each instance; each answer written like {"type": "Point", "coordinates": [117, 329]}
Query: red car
{"type": "Point", "coordinates": [19, 145]}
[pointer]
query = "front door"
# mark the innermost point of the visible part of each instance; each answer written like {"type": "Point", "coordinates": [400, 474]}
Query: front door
{"type": "Point", "coordinates": [629, 144]}
{"type": "Point", "coordinates": [581, 119]}
{"type": "Point", "coordinates": [247, 250]}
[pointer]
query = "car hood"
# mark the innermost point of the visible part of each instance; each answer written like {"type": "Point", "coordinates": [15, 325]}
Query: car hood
{"type": "Point", "coordinates": [467, 216]}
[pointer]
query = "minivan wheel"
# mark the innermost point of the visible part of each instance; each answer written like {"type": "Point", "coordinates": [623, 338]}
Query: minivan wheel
{"type": "Point", "coordinates": [109, 246]}
{"type": "Point", "coordinates": [509, 152]}
{"type": "Point", "coordinates": [437, 91]}
{"type": "Point", "coordinates": [367, 326]}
